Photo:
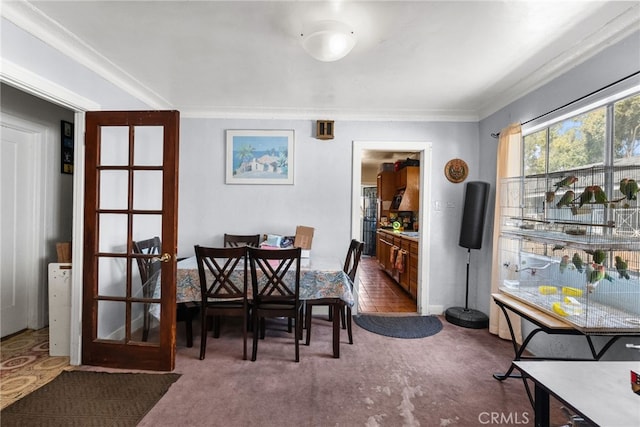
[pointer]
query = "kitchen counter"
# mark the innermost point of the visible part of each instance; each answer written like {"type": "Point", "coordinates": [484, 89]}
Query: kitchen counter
{"type": "Point", "coordinates": [411, 235]}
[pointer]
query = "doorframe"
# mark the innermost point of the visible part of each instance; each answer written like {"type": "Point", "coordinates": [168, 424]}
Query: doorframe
{"type": "Point", "coordinates": [33, 84]}
{"type": "Point", "coordinates": [424, 148]}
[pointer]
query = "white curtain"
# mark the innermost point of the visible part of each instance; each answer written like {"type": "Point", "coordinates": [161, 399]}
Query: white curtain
{"type": "Point", "coordinates": [508, 165]}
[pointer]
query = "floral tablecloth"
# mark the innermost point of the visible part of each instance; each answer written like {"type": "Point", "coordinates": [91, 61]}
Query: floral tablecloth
{"type": "Point", "coordinates": [318, 280]}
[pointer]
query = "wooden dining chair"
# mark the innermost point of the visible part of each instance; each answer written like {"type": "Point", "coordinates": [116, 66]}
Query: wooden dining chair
{"type": "Point", "coordinates": [275, 282]}
{"type": "Point", "coordinates": [149, 267]}
{"type": "Point", "coordinates": [235, 240]}
{"type": "Point", "coordinates": [223, 289]}
{"type": "Point", "coordinates": [350, 268]}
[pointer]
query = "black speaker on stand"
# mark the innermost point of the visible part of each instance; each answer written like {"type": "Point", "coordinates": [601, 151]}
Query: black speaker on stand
{"type": "Point", "coordinates": [475, 204]}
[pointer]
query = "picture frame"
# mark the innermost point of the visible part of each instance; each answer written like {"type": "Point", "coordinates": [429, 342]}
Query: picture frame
{"type": "Point", "coordinates": [260, 157]}
{"type": "Point", "coordinates": [66, 147]}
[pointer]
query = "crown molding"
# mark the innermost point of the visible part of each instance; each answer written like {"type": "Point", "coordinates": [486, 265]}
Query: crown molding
{"type": "Point", "coordinates": [334, 114]}
{"type": "Point", "coordinates": [29, 82]}
{"type": "Point", "coordinates": [32, 20]}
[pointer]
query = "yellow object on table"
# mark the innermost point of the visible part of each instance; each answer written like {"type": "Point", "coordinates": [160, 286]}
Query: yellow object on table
{"type": "Point", "coordinates": [547, 290]}
{"type": "Point", "coordinates": [557, 308]}
{"type": "Point", "coordinates": [573, 292]}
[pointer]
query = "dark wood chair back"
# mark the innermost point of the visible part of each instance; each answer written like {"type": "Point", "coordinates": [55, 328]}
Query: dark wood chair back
{"type": "Point", "coordinates": [275, 282]}
{"type": "Point", "coordinates": [223, 288]}
{"type": "Point", "coordinates": [354, 253]}
{"type": "Point", "coordinates": [353, 259]}
{"type": "Point", "coordinates": [149, 267]}
{"type": "Point", "coordinates": [235, 240]}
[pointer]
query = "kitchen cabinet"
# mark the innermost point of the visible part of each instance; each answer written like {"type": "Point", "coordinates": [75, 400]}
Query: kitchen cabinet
{"type": "Point", "coordinates": [383, 251]}
{"type": "Point", "coordinates": [403, 274]}
{"type": "Point", "coordinates": [403, 184]}
{"type": "Point", "coordinates": [413, 270]}
{"type": "Point", "coordinates": [386, 184]}
{"type": "Point", "coordinates": [401, 246]}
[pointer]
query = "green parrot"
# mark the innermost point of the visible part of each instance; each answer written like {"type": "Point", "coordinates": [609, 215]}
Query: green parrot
{"type": "Point", "coordinates": [599, 195]}
{"type": "Point", "coordinates": [595, 273]}
{"type": "Point", "coordinates": [566, 182]}
{"type": "Point", "coordinates": [632, 189]}
{"type": "Point", "coordinates": [598, 255]}
{"type": "Point", "coordinates": [566, 199]}
{"type": "Point", "coordinates": [621, 266]}
{"type": "Point", "coordinates": [564, 263]}
{"type": "Point", "coordinates": [586, 195]}
{"type": "Point", "coordinates": [623, 186]}
{"type": "Point", "coordinates": [577, 261]}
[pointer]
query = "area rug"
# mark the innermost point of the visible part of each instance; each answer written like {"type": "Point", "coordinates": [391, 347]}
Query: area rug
{"type": "Point", "coordinates": [399, 326]}
{"type": "Point", "coordinates": [26, 365]}
{"type": "Point", "coordinates": [81, 398]}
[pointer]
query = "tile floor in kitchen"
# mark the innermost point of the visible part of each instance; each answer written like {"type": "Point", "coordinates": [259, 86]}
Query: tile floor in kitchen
{"type": "Point", "coordinates": [378, 293]}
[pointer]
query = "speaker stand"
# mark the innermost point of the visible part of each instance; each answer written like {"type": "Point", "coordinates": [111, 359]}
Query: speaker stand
{"type": "Point", "coordinates": [467, 317]}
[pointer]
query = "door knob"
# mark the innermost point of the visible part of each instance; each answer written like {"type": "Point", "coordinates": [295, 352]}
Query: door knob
{"type": "Point", "coordinates": [165, 257]}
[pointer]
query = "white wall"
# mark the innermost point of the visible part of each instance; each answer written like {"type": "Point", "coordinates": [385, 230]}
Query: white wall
{"type": "Point", "coordinates": [610, 65]}
{"type": "Point", "coordinates": [321, 195]}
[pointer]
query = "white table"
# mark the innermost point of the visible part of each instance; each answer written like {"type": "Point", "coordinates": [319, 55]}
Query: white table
{"type": "Point", "coordinates": [600, 392]}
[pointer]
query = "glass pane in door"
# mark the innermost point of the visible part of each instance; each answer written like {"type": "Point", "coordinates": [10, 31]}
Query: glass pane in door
{"type": "Point", "coordinates": [115, 241]}
{"type": "Point", "coordinates": [112, 277]}
{"type": "Point", "coordinates": [148, 145]}
{"type": "Point", "coordinates": [114, 145]}
{"type": "Point", "coordinates": [147, 194]}
{"type": "Point", "coordinates": [111, 181]}
{"type": "Point", "coordinates": [111, 320]}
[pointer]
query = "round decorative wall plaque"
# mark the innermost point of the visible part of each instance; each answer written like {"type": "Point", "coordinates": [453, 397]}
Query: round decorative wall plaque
{"type": "Point", "coordinates": [456, 170]}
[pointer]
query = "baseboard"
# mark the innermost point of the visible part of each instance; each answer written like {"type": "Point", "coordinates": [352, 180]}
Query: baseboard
{"type": "Point", "coordinates": [436, 309]}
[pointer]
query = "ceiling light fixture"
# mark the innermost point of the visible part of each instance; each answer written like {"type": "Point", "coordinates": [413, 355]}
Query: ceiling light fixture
{"type": "Point", "coordinates": [328, 40]}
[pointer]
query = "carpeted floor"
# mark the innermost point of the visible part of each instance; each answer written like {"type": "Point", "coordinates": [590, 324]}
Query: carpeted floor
{"type": "Point", "coordinates": [89, 399]}
{"type": "Point", "coordinates": [442, 380]}
{"type": "Point", "coordinates": [412, 326]}
{"type": "Point", "coordinates": [26, 364]}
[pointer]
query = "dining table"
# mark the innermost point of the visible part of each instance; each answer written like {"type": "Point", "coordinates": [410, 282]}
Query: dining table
{"type": "Point", "coordinates": [321, 279]}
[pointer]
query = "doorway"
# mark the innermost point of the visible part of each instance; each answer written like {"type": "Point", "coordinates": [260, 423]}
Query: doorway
{"type": "Point", "coordinates": [31, 217]}
{"type": "Point", "coordinates": [360, 149]}
{"type": "Point", "coordinates": [20, 142]}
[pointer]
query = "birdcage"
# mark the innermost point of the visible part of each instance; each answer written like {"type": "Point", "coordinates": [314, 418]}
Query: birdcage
{"type": "Point", "coordinates": [570, 245]}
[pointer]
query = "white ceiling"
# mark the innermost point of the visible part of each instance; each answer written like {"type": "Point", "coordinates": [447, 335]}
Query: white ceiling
{"type": "Point", "coordinates": [418, 60]}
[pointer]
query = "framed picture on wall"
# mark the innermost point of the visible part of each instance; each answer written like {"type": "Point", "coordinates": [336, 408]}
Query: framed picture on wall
{"type": "Point", "coordinates": [66, 148]}
{"type": "Point", "coordinates": [259, 157]}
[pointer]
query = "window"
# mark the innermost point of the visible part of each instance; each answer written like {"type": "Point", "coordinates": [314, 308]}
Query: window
{"type": "Point", "coordinates": [581, 141]}
{"type": "Point", "coordinates": [626, 131]}
{"type": "Point", "coordinates": [595, 143]}
{"type": "Point", "coordinates": [577, 142]}
{"type": "Point", "coordinates": [535, 153]}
